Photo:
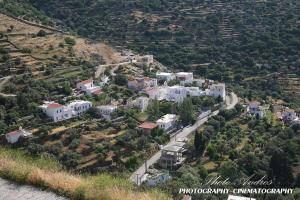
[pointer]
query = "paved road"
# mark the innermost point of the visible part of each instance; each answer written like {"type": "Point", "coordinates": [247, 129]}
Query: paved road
{"type": "Point", "coordinates": [11, 191]}
{"type": "Point", "coordinates": [181, 136]}
{"type": "Point", "coordinates": [4, 80]}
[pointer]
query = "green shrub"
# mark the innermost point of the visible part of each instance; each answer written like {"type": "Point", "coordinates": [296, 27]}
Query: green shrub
{"type": "Point", "coordinates": [70, 41]}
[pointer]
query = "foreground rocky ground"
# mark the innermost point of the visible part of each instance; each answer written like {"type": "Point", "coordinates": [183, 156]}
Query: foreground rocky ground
{"type": "Point", "coordinates": [11, 191]}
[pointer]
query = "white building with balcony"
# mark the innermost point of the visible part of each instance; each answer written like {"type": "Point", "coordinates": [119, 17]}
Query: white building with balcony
{"type": "Point", "coordinates": [153, 177]}
{"type": "Point", "coordinates": [165, 76]}
{"type": "Point", "coordinates": [146, 59]}
{"type": "Point", "coordinates": [140, 103]}
{"type": "Point", "coordinates": [79, 107]}
{"type": "Point", "coordinates": [256, 109]}
{"type": "Point", "coordinates": [217, 90]}
{"type": "Point", "coordinates": [14, 136]}
{"type": "Point", "coordinates": [150, 82]}
{"type": "Point", "coordinates": [176, 93]}
{"type": "Point", "coordinates": [185, 77]}
{"type": "Point", "coordinates": [58, 112]}
{"type": "Point", "coordinates": [106, 111]}
{"type": "Point", "coordinates": [88, 87]}
{"type": "Point", "coordinates": [171, 155]}
{"type": "Point", "coordinates": [289, 115]}
{"type": "Point", "coordinates": [158, 93]}
{"type": "Point", "coordinates": [167, 122]}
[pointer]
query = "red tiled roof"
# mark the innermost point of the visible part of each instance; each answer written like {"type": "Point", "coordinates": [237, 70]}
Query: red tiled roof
{"type": "Point", "coordinates": [289, 110]}
{"type": "Point", "coordinates": [148, 125]}
{"type": "Point", "coordinates": [151, 89]}
{"type": "Point", "coordinates": [54, 105]}
{"type": "Point", "coordinates": [186, 197]}
{"type": "Point", "coordinates": [13, 133]}
{"type": "Point", "coordinates": [86, 82]}
{"type": "Point", "coordinates": [98, 91]}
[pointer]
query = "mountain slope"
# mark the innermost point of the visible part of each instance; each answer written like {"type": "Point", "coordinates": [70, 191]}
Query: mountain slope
{"type": "Point", "coordinates": [232, 41]}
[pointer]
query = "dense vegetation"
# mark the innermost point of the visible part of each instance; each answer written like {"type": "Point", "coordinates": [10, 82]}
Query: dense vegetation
{"type": "Point", "coordinates": [242, 41]}
{"type": "Point", "coordinates": [237, 147]}
{"type": "Point", "coordinates": [252, 45]}
{"type": "Point", "coordinates": [45, 172]}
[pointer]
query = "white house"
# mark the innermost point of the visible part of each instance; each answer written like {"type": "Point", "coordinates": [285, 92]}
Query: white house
{"type": "Point", "coordinates": [55, 111]}
{"type": "Point", "coordinates": [141, 83]}
{"type": "Point", "coordinates": [79, 107]}
{"type": "Point", "coordinates": [176, 93]}
{"type": "Point", "coordinates": [140, 103]}
{"type": "Point", "coordinates": [153, 93]}
{"type": "Point", "coordinates": [231, 197]}
{"type": "Point", "coordinates": [159, 93]}
{"type": "Point", "coordinates": [155, 177]}
{"type": "Point", "coordinates": [185, 77]}
{"type": "Point", "coordinates": [85, 85]}
{"type": "Point", "coordinates": [167, 122]}
{"type": "Point", "coordinates": [106, 111]}
{"type": "Point", "coordinates": [289, 115]}
{"type": "Point", "coordinates": [217, 90]}
{"type": "Point", "coordinates": [136, 84]}
{"type": "Point", "coordinates": [58, 112]}
{"type": "Point", "coordinates": [104, 80]}
{"type": "Point", "coordinates": [88, 87]}
{"type": "Point", "coordinates": [150, 82]}
{"type": "Point", "coordinates": [147, 59]}
{"type": "Point", "coordinates": [165, 76]}
{"type": "Point", "coordinates": [14, 136]}
{"type": "Point", "coordinates": [256, 109]}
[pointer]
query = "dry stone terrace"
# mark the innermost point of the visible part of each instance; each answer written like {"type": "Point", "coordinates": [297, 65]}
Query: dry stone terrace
{"type": "Point", "coordinates": [11, 191]}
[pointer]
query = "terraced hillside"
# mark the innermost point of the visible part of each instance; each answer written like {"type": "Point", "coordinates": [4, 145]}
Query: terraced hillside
{"type": "Point", "coordinates": [229, 41]}
{"type": "Point", "coordinates": [181, 32]}
{"type": "Point", "coordinates": [39, 63]}
{"type": "Point", "coordinates": [27, 47]}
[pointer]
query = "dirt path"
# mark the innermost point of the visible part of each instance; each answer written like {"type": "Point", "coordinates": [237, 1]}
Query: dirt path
{"type": "Point", "coordinates": [2, 83]}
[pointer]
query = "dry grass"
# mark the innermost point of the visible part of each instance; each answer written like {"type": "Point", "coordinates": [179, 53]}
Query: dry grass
{"type": "Point", "coordinates": [210, 166]}
{"type": "Point", "coordinates": [85, 48]}
{"type": "Point", "coordinates": [6, 22]}
{"type": "Point", "coordinates": [47, 173]}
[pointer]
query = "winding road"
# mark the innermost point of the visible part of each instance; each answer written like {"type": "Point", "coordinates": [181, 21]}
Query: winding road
{"type": "Point", "coordinates": [12, 191]}
{"type": "Point", "coordinates": [231, 101]}
{"type": "Point", "coordinates": [4, 80]}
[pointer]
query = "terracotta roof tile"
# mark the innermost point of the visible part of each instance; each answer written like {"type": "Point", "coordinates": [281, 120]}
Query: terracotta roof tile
{"type": "Point", "coordinates": [148, 125]}
{"type": "Point", "coordinates": [86, 82]}
{"type": "Point", "coordinates": [13, 133]}
{"type": "Point", "coordinates": [98, 91]}
{"type": "Point", "coordinates": [54, 105]}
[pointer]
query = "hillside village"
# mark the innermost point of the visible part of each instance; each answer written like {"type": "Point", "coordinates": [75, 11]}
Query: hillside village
{"type": "Point", "coordinates": [97, 110]}
{"type": "Point", "coordinates": [106, 107]}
